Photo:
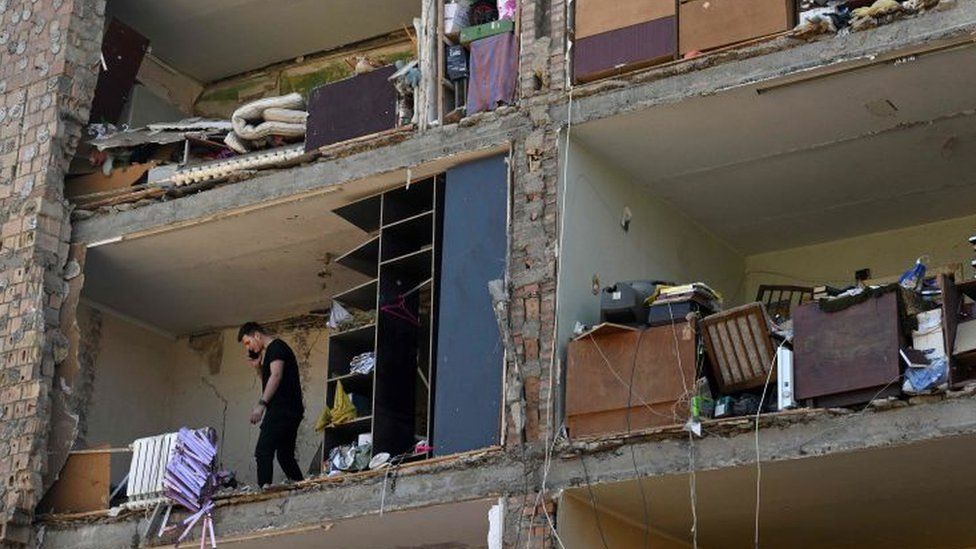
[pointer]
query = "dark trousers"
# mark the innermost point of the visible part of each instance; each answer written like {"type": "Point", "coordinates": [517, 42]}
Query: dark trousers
{"type": "Point", "coordinates": [277, 437]}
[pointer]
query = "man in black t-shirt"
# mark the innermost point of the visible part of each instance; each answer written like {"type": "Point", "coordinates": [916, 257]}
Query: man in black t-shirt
{"type": "Point", "coordinates": [280, 404]}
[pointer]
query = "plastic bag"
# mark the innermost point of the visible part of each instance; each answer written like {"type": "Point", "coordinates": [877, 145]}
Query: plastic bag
{"type": "Point", "coordinates": [506, 9]}
{"type": "Point", "coordinates": [913, 278]}
{"type": "Point", "coordinates": [337, 315]}
{"type": "Point", "coordinates": [920, 380]}
{"type": "Point", "coordinates": [342, 411]}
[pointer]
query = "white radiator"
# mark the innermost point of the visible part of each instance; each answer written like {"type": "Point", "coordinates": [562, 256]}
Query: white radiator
{"type": "Point", "coordinates": [150, 456]}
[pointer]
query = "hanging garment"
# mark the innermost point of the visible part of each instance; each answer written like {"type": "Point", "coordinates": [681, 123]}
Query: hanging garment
{"type": "Point", "coordinates": [494, 72]}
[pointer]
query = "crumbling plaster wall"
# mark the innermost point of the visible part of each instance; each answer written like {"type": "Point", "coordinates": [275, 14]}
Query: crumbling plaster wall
{"type": "Point", "coordinates": [146, 384]}
{"type": "Point", "coordinates": [48, 62]}
{"type": "Point", "coordinates": [202, 386]}
{"type": "Point", "coordinates": [887, 253]}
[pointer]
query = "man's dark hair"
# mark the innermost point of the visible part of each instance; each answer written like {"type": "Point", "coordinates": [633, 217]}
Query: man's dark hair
{"type": "Point", "coordinates": [249, 329]}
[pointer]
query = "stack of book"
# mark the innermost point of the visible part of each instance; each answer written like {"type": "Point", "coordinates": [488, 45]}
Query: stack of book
{"type": "Point", "coordinates": [673, 303]}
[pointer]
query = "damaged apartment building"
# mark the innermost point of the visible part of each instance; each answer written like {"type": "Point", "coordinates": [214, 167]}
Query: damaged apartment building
{"type": "Point", "coordinates": [557, 273]}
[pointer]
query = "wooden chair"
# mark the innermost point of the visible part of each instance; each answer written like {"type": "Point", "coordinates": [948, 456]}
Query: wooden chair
{"type": "Point", "coordinates": [740, 347]}
{"type": "Point", "coordinates": [780, 300]}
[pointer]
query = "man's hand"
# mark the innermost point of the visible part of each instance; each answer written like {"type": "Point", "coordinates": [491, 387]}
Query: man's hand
{"type": "Point", "coordinates": [256, 414]}
{"type": "Point", "coordinates": [256, 364]}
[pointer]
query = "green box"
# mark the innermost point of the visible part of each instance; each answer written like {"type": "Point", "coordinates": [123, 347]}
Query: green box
{"type": "Point", "coordinates": [470, 34]}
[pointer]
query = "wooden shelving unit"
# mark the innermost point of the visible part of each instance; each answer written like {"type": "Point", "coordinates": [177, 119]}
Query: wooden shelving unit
{"type": "Point", "coordinates": [401, 254]}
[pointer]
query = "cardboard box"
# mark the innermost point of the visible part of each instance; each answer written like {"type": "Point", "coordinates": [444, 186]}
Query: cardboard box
{"type": "Point", "coordinates": [625, 49]}
{"type": "Point", "coordinates": [710, 24]}
{"type": "Point", "coordinates": [470, 34]}
{"type": "Point", "coordinates": [455, 18]}
{"type": "Point", "coordinates": [599, 16]}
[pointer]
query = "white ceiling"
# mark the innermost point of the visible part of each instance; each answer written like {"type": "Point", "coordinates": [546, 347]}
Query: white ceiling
{"type": "Point", "coordinates": [456, 526]}
{"type": "Point", "coordinates": [265, 264]}
{"type": "Point", "coordinates": [906, 497]}
{"type": "Point", "coordinates": [811, 161]}
{"type": "Point", "coordinates": [213, 39]}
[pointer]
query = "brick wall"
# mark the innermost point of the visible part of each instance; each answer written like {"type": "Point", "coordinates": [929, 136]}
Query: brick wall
{"type": "Point", "coordinates": [534, 230]}
{"type": "Point", "coordinates": [48, 63]}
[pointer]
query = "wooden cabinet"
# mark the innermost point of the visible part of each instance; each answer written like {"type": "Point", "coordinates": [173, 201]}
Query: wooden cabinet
{"type": "Point", "coordinates": [399, 256]}
{"type": "Point", "coordinates": [850, 356]}
{"type": "Point", "coordinates": [710, 24]}
{"type": "Point", "coordinates": [615, 37]}
{"type": "Point", "coordinates": [599, 16]}
{"type": "Point", "coordinates": [432, 247]}
{"type": "Point", "coordinates": [658, 363]}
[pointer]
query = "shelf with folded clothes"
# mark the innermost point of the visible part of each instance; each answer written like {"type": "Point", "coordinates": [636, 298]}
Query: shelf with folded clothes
{"type": "Point", "coordinates": [344, 347]}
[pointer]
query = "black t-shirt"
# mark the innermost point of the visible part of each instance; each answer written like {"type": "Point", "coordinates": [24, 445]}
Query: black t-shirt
{"type": "Point", "coordinates": [286, 403]}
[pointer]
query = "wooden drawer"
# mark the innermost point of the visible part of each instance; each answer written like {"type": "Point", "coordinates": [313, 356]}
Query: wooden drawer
{"type": "Point", "coordinates": [710, 24]}
{"type": "Point", "coordinates": [624, 49]}
{"type": "Point", "coordinates": [598, 16]}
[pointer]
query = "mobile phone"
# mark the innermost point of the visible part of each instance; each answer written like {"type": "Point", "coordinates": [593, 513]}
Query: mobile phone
{"type": "Point", "coordinates": [253, 355]}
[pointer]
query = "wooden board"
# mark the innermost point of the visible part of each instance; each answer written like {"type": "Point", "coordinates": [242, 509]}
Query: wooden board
{"type": "Point", "coordinates": [97, 182]}
{"type": "Point", "coordinates": [849, 355]}
{"type": "Point", "coordinates": [599, 16]}
{"type": "Point", "coordinates": [122, 49]}
{"type": "Point", "coordinates": [709, 24]}
{"type": "Point", "coordinates": [83, 485]}
{"type": "Point", "coordinates": [469, 349]}
{"type": "Point", "coordinates": [599, 372]}
{"type": "Point", "coordinates": [624, 49]}
{"type": "Point", "coordinates": [362, 105]}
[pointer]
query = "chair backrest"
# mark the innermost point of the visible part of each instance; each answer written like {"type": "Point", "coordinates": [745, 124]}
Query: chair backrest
{"type": "Point", "coordinates": [739, 347]}
{"type": "Point", "coordinates": [149, 458]}
{"type": "Point", "coordinates": [779, 300]}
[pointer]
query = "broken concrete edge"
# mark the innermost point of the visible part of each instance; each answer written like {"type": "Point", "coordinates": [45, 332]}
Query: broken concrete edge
{"type": "Point", "coordinates": [345, 164]}
{"type": "Point", "coordinates": [789, 437]}
{"type": "Point", "coordinates": [370, 477]}
{"type": "Point", "coordinates": [774, 58]}
{"type": "Point", "coordinates": [478, 476]}
{"type": "Point", "coordinates": [496, 472]}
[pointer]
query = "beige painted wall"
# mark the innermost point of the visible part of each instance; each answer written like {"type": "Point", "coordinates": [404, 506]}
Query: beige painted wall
{"type": "Point", "coordinates": [147, 384]}
{"type": "Point", "coordinates": [133, 381]}
{"type": "Point", "coordinates": [662, 242]}
{"type": "Point", "coordinates": [886, 253]}
{"type": "Point", "coordinates": [578, 529]}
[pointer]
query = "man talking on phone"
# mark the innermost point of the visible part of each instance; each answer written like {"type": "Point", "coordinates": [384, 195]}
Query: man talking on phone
{"type": "Point", "coordinates": [280, 404]}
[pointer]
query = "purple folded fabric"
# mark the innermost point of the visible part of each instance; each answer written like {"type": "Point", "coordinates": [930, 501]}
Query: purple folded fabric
{"type": "Point", "coordinates": [191, 478]}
